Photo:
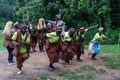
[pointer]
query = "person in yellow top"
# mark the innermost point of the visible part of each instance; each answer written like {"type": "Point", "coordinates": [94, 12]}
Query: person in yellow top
{"type": "Point", "coordinates": [52, 47]}
{"type": "Point", "coordinates": [79, 36]}
{"type": "Point", "coordinates": [67, 46]}
{"type": "Point", "coordinates": [24, 42]}
{"type": "Point", "coordinates": [99, 36]}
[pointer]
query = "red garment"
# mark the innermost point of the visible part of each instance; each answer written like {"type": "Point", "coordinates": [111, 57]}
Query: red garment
{"type": "Point", "coordinates": [68, 51]}
{"type": "Point", "coordinates": [8, 42]}
{"type": "Point", "coordinates": [79, 49]}
{"type": "Point", "coordinates": [33, 39]}
{"type": "Point", "coordinates": [52, 51]}
{"type": "Point", "coordinates": [41, 35]}
{"type": "Point", "coordinates": [21, 58]}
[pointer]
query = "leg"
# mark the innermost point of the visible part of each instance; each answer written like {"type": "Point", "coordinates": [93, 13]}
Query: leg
{"type": "Point", "coordinates": [19, 63]}
{"type": "Point", "coordinates": [42, 48]}
{"type": "Point", "coordinates": [25, 57]}
{"type": "Point", "coordinates": [67, 58]}
{"type": "Point", "coordinates": [67, 61]}
{"type": "Point", "coordinates": [93, 56]}
{"type": "Point", "coordinates": [28, 49]}
{"type": "Point", "coordinates": [10, 55]}
{"type": "Point", "coordinates": [51, 67]}
{"type": "Point", "coordinates": [20, 60]}
{"type": "Point", "coordinates": [78, 57]}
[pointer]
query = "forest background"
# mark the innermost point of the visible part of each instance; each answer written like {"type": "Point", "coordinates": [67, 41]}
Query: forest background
{"type": "Point", "coordinates": [74, 12]}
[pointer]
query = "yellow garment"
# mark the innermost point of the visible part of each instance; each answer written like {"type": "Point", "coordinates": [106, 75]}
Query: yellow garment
{"type": "Point", "coordinates": [23, 48]}
{"type": "Point", "coordinates": [77, 36]}
{"type": "Point", "coordinates": [97, 37]}
{"type": "Point", "coordinates": [84, 33]}
{"type": "Point", "coordinates": [67, 37]}
{"type": "Point", "coordinates": [38, 27]}
{"type": "Point", "coordinates": [52, 37]}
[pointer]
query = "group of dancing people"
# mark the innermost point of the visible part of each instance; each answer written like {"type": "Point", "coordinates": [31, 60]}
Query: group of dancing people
{"type": "Point", "coordinates": [58, 42]}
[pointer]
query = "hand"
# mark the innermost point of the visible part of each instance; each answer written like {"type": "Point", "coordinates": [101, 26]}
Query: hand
{"type": "Point", "coordinates": [14, 43]}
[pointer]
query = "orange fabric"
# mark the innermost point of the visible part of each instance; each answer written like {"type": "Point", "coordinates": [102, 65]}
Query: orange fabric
{"type": "Point", "coordinates": [8, 42]}
{"type": "Point", "coordinates": [21, 58]}
{"type": "Point", "coordinates": [52, 51]}
{"type": "Point", "coordinates": [68, 51]}
{"type": "Point", "coordinates": [79, 50]}
{"type": "Point", "coordinates": [33, 40]}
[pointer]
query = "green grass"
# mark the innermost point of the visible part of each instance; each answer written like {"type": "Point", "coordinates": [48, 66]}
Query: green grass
{"type": "Point", "coordinates": [83, 73]}
{"type": "Point", "coordinates": [117, 78]}
{"type": "Point", "coordinates": [111, 55]}
{"type": "Point", "coordinates": [45, 78]}
{"type": "Point", "coordinates": [1, 42]}
{"type": "Point", "coordinates": [111, 48]}
{"type": "Point", "coordinates": [86, 68]}
{"type": "Point", "coordinates": [112, 60]}
{"type": "Point", "coordinates": [108, 48]}
{"type": "Point", "coordinates": [100, 71]}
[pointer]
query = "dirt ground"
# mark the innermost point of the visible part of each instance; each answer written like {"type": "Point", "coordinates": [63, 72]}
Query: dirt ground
{"type": "Point", "coordinates": [37, 64]}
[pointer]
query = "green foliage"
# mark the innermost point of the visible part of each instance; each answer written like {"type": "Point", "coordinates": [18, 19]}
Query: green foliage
{"type": "Point", "coordinates": [86, 68]}
{"type": "Point", "coordinates": [1, 42]}
{"type": "Point", "coordinates": [113, 34]}
{"type": "Point", "coordinates": [74, 12]}
{"type": "Point", "coordinates": [83, 73]}
{"type": "Point", "coordinates": [111, 55]}
{"type": "Point", "coordinates": [112, 60]}
{"type": "Point", "coordinates": [115, 13]}
{"type": "Point", "coordinates": [76, 76]}
{"type": "Point", "coordinates": [117, 78]}
{"type": "Point", "coordinates": [100, 71]}
{"type": "Point", "coordinates": [7, 10]}
{"type": "Point", "coordinates": [2, 23]}
{"type": "Point", "coordinates": [115, 49]}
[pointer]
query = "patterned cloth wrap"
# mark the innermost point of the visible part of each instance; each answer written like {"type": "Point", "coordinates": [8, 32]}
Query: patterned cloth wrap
{"type": "Point", "coordinates": [95, 47]}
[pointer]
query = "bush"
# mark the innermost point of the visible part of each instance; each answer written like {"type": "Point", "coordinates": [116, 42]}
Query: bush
{"type": "Point", "coordinates": [114, 34]}
{"type": "Point", "coordinates": [2, 23]}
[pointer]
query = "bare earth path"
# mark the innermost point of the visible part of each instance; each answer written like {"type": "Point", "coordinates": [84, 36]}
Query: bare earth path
{"type": "Point", "coordinates": [37, 65]}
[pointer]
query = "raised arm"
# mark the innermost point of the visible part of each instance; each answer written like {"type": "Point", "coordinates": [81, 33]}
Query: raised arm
{"type": "Point", "coordinates": [93, 27]}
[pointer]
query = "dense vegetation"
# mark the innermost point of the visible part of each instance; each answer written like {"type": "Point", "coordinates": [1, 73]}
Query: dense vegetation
{"type": "Point", "coordinates": [74, 12]}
